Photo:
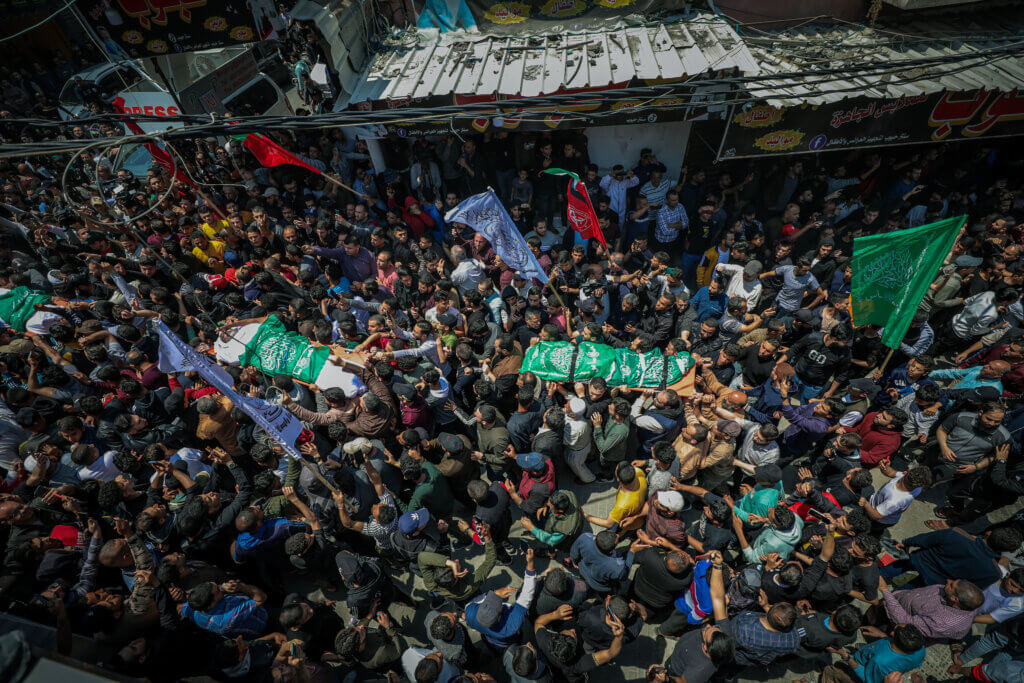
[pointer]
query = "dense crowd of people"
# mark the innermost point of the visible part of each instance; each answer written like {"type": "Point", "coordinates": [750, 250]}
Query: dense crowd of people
{"type": "Point", "coordinates": [754, 521]}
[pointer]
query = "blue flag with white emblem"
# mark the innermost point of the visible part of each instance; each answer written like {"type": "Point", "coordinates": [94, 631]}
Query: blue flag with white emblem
{"type": "Point", "coordinates": [484, 213]}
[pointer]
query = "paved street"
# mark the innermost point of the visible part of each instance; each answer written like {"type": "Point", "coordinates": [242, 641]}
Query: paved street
{"type": "Point", "coordinates": [597, 499]}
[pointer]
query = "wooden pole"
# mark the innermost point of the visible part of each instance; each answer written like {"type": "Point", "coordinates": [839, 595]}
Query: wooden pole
{"type": "Point", "coordinates": [881, 369]}
{"type": "Point", "coordinates": [316, 473]}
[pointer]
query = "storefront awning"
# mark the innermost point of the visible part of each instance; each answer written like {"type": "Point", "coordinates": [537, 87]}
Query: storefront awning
{"type": "Point", "coordinates": [469, 64]}
{"type": "Point", "coordinates": [839, 47]}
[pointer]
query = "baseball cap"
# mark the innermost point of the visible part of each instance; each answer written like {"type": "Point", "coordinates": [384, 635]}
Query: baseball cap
{"type": "Point", "coordinates": [967, 261]}
{"type": "Point", "coordinates": [768, 474]}
{"type": "Point", "coordinates": [21, 347]}
{"type": "Point", "coordinates": [349, 567]}
{"type": "Point", "coordinates": [863, 385]}
{"type": "Point", "coordinates": [488, 612]}
{"type": "Point", "coordinates": [412, 522]}
{"type": "Point", "coordinates": [530, 461]}
{"type": "Point", "coordinates": [450, 442]}
{"type": "Point", "coordinates": [730, 428]}
{"type": "Point", "coordinates": [446, 319]}
{"type": "Point", "coordinates": [753, 268]}
{"type": "Point", "coordinates": [673, 500]}
{"type": "Point", "coordinates": [406, 391]}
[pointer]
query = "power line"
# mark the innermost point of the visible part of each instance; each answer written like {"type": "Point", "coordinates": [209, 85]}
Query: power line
{"type": "Point", "coordinates": [198, 125]}
{"type": "Point", "coordinates": [35, 26]}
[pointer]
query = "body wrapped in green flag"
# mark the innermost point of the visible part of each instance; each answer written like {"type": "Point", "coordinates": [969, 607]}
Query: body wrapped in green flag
{"type": "Point", "coordinates": [619, 367]}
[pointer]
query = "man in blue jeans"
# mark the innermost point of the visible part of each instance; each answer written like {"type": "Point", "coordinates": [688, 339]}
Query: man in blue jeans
{"type": "Point", "coordinates": [816, 358]}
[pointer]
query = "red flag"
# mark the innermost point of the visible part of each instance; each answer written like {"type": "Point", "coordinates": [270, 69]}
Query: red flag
{"type": "Point", "coordinates": [158, 153]}
{"type": "Point", "coordinates": [581, 214]}
{"type": "Point", "coordinates": [269, 153]}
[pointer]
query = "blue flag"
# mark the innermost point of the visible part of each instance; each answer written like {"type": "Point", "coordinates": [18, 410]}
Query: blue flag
{"type": "Point", "coordinates": [177, 356]}
{"type": "Point", "coordinates": [484, 213]}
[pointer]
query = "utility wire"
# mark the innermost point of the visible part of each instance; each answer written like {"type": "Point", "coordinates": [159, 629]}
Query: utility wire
{"type": "Point", "coordinates": [35, 26]}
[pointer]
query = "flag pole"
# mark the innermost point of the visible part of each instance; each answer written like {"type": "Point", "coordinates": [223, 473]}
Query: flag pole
{"type": "Point", "coordinates": [888, 357]}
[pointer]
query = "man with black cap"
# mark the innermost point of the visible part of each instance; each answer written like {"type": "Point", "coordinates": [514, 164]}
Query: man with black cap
{"type": "Point", "coordinates": [367, 583]}
{"type": "Point", "coordinates": [858, 398]}
{"type": "Point", "coordinates": [333, 397]}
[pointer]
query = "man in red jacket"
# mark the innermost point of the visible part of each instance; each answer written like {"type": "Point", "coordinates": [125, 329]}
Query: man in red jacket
{"type": "Point", "coordinates": [880, 433]}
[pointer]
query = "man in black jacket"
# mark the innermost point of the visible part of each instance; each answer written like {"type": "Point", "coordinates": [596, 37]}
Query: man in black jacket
{"type": "Point", "coordinates": [548, 440]}
{"type": "Point", "coordinates": [816, 358]}
{"type": "Point", "coordinates": [659, 578]}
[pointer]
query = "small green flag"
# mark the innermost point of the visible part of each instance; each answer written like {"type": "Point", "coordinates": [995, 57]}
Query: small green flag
{"type": "Point", "coordinates": [892, 272]}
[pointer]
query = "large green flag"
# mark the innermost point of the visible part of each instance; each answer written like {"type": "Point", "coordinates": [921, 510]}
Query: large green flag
{"type": "Point", "coordinates": [892, 272]}
{"type": "Point", "coordinates": [273, 350]}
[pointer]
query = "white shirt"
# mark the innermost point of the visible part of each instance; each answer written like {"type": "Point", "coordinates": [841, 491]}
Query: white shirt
{"type": "Point", "coordinates": [752, 452]}
{"type": "Point", "coordinates": [39, 322]}
{"type": "Point", "coordinates": [999, 605]}
{"type": "Point", "coordinates": [102, 469]}
{"type": "Point", "coordinates": [977, 317]}
{"type": "Point", "coordinates": [414, 655]}
{"type": "Point", "coordinates": [751, 291]}
{"type": "Point", "coordinates": [577, 433]}
{"type": "Point", "coordinates": [468, 274]}
{"type": "Point", "coordinates": [891, 501]}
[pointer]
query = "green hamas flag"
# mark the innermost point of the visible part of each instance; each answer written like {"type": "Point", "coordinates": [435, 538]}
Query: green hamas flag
{"type": "Point", "coordinates": [892, 272]}
{"type": "Point", "coordinates": [620, 367]}
{"type": "Point", "coordinates": [273, 350]}
{"type": "Point", "coordinates": [18, 305]}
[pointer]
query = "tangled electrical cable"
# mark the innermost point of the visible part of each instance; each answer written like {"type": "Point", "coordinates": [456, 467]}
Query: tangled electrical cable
{"type": "Point", "coordinates": [757, 86]}
{"type": "Point", "coordinates": [108, 143]}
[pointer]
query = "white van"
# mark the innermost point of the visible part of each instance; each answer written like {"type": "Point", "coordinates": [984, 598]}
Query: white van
{"type": "Point", "coordinates": [209, 81]}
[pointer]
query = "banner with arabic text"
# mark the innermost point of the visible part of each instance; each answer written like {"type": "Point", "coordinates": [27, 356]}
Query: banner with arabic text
{"type": "Point", "coordinates": [867, 122]}
{"type": "Point", "coordinates": [146, 28]}
{"type": "Point", "coordinates": [537, 16]}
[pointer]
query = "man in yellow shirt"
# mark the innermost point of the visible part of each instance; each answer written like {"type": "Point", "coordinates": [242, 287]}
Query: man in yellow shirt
{"type": "Point", "coordinates": [629, 499]}
{"type": "Point", "coordinates": [212, 225]}
{"type": "Point", "coordinates": [210, 252]}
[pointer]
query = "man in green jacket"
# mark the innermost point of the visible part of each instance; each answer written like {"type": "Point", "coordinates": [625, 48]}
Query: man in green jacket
{"type": "Point", "coordinates": [448, 579]}
{"type": "Point", "coordinates": [563, 520]}
{"type": "Point", "coordinates": [753, 507]}
{"type": "Point", "coordinates": [431, 489]}
{"type": "Point", "coordinates": [615, 437]}
{"type": "Point", "coordinates": [492, 440]}
{"type": "Point", "coordinates": [781, 535]}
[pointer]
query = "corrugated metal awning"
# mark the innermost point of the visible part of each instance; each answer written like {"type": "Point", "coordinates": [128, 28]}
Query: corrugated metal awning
{"type": "Point", "coordinates": [531, 65]}
{"type": "Point", "coordinates": [840, 46]}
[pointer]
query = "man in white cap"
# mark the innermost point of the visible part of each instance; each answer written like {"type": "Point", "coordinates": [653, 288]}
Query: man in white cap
{"type": "Point", "coordinates": [578, 438]}
{"type": "Point", "coordinates": [662, 520]}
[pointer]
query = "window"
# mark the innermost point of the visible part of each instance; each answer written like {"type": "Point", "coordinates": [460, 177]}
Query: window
{"type": "Point", "coordinates": [119, 79]}
{"type": "Point", "coordinates": [256, 98]}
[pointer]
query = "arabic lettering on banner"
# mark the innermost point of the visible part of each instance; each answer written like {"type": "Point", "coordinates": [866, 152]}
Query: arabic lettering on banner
{"type": "Point", "coordinates": [864, 122]}
{"type": "Point", "coordinates": [551, 16]}
{"type": "Point", "coordinates": [509, 117]}
{"type": "Point", "coordinates": [145, 28]}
